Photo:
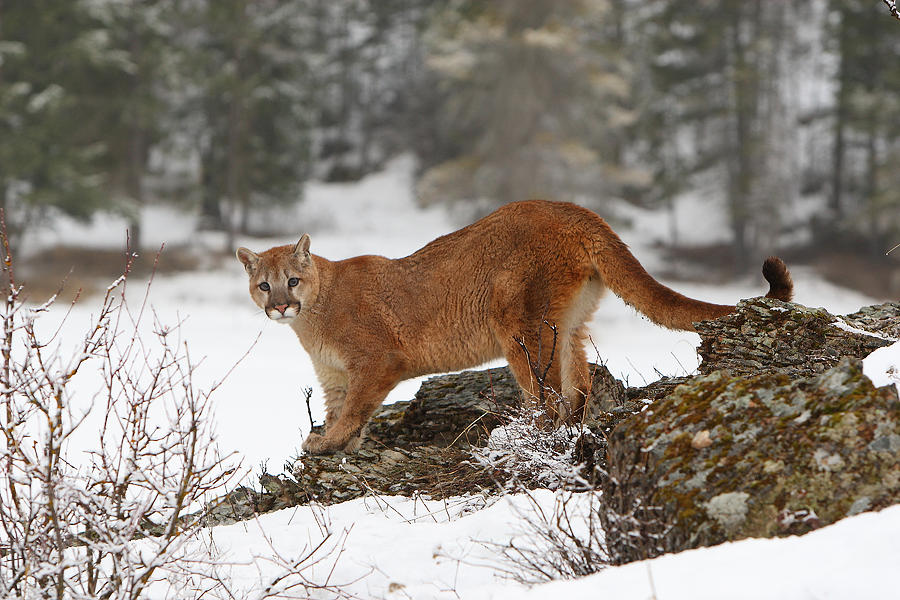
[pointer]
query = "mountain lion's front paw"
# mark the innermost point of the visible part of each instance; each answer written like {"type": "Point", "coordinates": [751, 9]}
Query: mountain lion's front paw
{"type": "Point", "coordinates": [320, 444]}
{"type": "Point", "coordinates": [314, 444]}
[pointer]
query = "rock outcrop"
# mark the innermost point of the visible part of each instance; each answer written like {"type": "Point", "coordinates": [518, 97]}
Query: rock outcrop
{"type": "Point", "coordinates": [421, 446]}
{"type": "Point", "coordinates": [779, 434]}
{"type": "Point", "coordinates": [770, 335]}
{"type": "Point", "coordinates": [729, 457]}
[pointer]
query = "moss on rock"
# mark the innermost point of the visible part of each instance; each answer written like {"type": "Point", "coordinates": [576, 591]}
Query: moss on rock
{"type": "Point", "coordinates": [733, 457]}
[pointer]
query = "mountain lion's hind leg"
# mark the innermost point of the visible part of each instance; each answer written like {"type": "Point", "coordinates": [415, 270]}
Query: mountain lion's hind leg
{"type": "Point", "coordinates": [576, 376]}
{"type": "Point", "coordinates": [535, 362]}
{"type": "Point", "coordinates": [528, 332]}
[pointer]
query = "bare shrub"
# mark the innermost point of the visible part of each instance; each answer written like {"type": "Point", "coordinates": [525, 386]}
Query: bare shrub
{"type": "Point", "coordinates": [616, 525]}
{"type": "Point", "coordinates": [124, 517]}
{"type": "Point", "coordinates": [619, 523]}
{"type": "Point", "coordinates": [533, 456]}
{"type": "Point", "coordinates": [636, 528]}
{"type": "Point", "coordinates": [291, 579]}
{"type": "Point", "coordinates": [527, 447]}
{"type": "Point", "coordinates": [565, 543]}
{"type": "Point", "coordinates": [67, 518]}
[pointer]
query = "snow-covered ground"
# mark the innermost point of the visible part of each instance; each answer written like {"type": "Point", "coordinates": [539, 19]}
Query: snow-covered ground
{"type": "Point", "coordinates": [404, 548]}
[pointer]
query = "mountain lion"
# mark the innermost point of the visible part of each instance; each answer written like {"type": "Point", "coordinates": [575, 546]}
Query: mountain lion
{"type": "Point", "coordinates": [520, 284]}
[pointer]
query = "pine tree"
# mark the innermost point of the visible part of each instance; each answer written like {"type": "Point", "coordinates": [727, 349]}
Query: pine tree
{"type": "Point", "coordinates": [248, 105]}
{"type": "Point", "coordinates": [865, 190]}
{"type": "Point", "coordinates": [364, 62]}
{"type": "Point", "coordinates": [132, 98]}
{"type": "Point", "coordinates": [52, 56]}
{"type": "Point", "coordinates": [535, 100]}
{"type": "Point", "coordinates": [721, 104]}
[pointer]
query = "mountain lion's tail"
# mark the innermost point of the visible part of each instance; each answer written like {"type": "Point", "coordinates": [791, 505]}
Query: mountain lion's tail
{"type": "Point", "coordinates": [623, 274]}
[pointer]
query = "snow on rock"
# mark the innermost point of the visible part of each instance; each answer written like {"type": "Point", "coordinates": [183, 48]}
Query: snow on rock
{"type": "Point", "coordinates": [883, 366]}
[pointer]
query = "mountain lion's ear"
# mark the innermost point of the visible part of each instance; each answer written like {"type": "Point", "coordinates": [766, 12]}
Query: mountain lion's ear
{"type": "Point", "coordinates": [301, 249]}
{"type": "Point", "coordinates": [248, 258]}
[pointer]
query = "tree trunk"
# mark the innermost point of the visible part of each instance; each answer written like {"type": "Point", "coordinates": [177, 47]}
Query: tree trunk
{"type": "Point", "coordinates": [136, 151]}
{"type": "Point", "coordinates": [210, 207]}
{"type": "Point", "coordinates": [871, 190]}
{"type": "Point", "coordinates": [741, 170]}
{"type": "Point", "coordinates": [840, 117]}
{"type": "Point", "coordinates": [237, 186]}
{"type": "Point", "coordinates": [3, 183]}
{"type": "Point", "coordinates": [235, 182]}
{"type": "Point", "coordinates": [134, 234]}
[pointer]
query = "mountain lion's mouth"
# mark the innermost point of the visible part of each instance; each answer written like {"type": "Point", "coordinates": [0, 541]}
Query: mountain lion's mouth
{"type": "Point", "coordinates": [283, 312]}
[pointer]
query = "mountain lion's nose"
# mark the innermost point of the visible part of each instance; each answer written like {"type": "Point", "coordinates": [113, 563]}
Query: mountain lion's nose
{"type": "Point", "coordinates": [281, 308]}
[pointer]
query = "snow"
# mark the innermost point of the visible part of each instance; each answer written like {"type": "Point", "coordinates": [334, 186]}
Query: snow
{"type": "Point", "coordinates": [850, 328]}
{"type": "Point", "coordinates": [818, 565]}
{"type": "Point", "coordinates": [415, 548]}
{"type": "Point", "coordinates": [399, 547]}
{"type": "Point", "coordinates": [883, 366]}
{"type": "Point", "coordinates": [164, 224]}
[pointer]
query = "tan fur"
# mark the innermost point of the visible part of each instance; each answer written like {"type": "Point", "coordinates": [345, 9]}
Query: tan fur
{"type": "Point", "coordinates": [474, 295]}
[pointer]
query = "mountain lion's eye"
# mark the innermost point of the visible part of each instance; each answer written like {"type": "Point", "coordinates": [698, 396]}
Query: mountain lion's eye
{"type": "Point", "coordinates": [293, 281]}
{"type": "Point", "coordinates": [264, 286]}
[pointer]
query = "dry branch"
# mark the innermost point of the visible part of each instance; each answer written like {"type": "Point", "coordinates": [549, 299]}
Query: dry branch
{"type": "Point", "coordinates": [116, 521]}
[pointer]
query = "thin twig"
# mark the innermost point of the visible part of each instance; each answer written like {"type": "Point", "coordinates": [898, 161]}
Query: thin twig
{"type": "Point", "coordinates": [652, 583]}
{"type": "Point", "coordinates": [307, 393]}
{"type": "Point", "coordinates": [467, 429]}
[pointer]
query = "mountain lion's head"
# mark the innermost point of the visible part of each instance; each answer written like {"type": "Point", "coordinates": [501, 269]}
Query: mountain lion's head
{"type": "Point", "coordinates": [282, 279]}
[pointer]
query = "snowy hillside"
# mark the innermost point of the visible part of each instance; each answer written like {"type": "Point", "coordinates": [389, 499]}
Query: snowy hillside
{"type": "Point", "coordinates": [414, 548]}
{"type": "Point", "coordinates": [403, 548]}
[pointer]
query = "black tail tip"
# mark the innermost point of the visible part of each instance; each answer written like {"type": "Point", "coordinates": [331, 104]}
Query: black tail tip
{"type": "Point", "coordinates": [781, 286]}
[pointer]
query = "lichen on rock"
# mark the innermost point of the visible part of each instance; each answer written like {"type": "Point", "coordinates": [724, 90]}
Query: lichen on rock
{"type": "Point", "coordinates": [728, 509]}
{"type": "Point", "coordinates": [763, 334]}
{"type": "Point", "coordinates": [785, 455]}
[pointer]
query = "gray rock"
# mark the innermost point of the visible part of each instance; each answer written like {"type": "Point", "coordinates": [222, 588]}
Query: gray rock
{"type": "Point", "coordinates": [770, 335]}
{"type": "Point", "coordinates": [883, 319]}
{"type": "Point", "coordinates": [780, 455]}
{"type": "Point", "coordinates": [762, 427]}
{"type": "Point", "coordinates": [421, 446]}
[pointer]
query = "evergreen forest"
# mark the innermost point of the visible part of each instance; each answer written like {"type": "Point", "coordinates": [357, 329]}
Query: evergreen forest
{"type": "Point", "coordinates": [783, 115]}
